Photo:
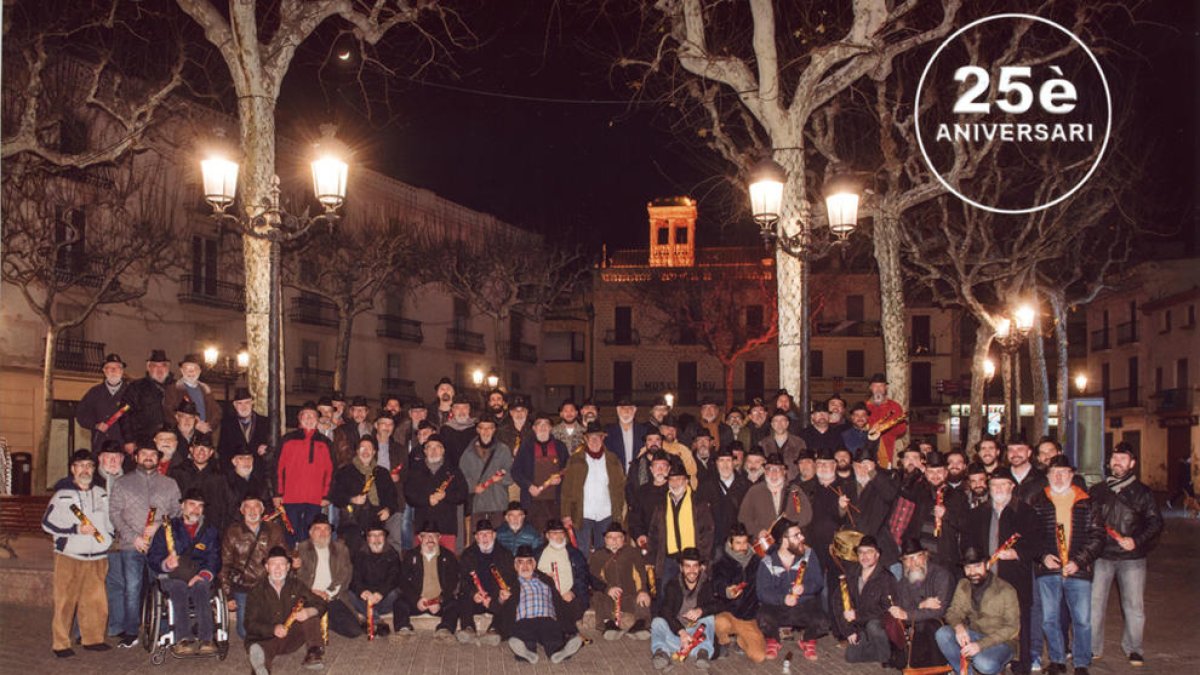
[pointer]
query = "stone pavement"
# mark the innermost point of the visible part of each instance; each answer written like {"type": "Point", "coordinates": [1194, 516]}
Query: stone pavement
{"type": "Point", "coordinates": [1171, 641]}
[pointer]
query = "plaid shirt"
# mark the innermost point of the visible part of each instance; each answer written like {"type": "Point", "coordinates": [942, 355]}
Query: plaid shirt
{"type": "Point", "coordinates": [535, 601]}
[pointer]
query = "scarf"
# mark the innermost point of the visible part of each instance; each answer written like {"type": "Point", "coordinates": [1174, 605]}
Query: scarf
{"type": "Point", "coordinates": [977, 590]}
{"type": "Point", "coordinates": [1117, 484]}
{"type": "Point", "coordinates": [742, 559]}
{"type": "Point", "coordinates": [367, 470]}
{"type": "Point", "coordinates": [596, 455]}
{"type": "Point", "coordinates": [681, 517]}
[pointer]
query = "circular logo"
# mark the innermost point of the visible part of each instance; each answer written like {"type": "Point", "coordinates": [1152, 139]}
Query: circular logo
{"type": "Point", "coordinates": [1027, 93]}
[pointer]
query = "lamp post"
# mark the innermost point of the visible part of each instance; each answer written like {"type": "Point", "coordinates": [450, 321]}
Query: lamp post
{"type": "Point", "coordinates": [1010, 333]}
{"type": "Point", "coordinates": [842, 195]}
{"type": "Point", "coordinates": [226, 370]}
{"type": "Point", "coordinates": [989, 373]}
{"type": "Point", "coordinates": [269, 222]}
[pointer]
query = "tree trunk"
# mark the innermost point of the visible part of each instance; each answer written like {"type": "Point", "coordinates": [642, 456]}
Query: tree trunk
{"type": "Point", "coordinates": [1039, 381]}
{"type": "Point", "coordinates": [978, 417]}
{"type": "Point", "coordinates": [1006, 371]}
{"type": "Point", "coordinates": [341, 352]}
{"type": "Point", "coordinates": [893, 319]}
{"type": "Point", "coordinates": [42, 458]}
{"type": "Point", "coordinates": [729, 367]}
{"type": "Point", "coordinates": [790, 277]}
{"type": "Point", "coordinates": [501, 351]}
{"type": "Point", "coordinates": [1062, 376]}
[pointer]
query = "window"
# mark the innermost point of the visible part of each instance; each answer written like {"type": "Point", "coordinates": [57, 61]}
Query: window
{"type": "Point", "coordinates": [854, 308]}
{"type": "Point", "coordinates": [205, 263]}
{"type": "Point", "coordinates": [1166, 323]}
{"type": "Point", "coordinates": [1191, 317]}
{"type": "Point", "coordinates": [754, 318]}
{"type": "Point", "coordinates": [1133, 378]}
{"type": "Point", "coordinates": [562, 346]}
{"type": "Point", "coordinates": [755, 380]}
{"type": "Point", "coordinates": [1181, 374]}
{"type": "Point", "coordinates": [310, 354]}
{"type": "Point", "coordinates": [922, 383]}
{"type": "Point", "coordinates": [1105, 380]}
{"type": "Point", "coordinates": [922, 342]}
{"type": "Point", "coordinates": [816, 363]}
{"type": "Point", "coordinates": [622, 379]}
{"type": "Point", "coordinates": [855, 363]}
{"type": "Point", "coordinates": [395, 366]}
{"type": "Point", "coordinates": [516, 328]}
{"type": "Point", "coordinates": [686, 380]}
{"type": "Point", "coordinates": [394, 304]}
{"type": "Point", "coordinates": [664, 236]}
{"type": "Point", "coordinates": [1158, 379]}
{"type": "Point", "coordinates": [681, 235]}
{"type": "Point", "coordinates": [70, 225]}
{"type": "Point", "coordinates": [623, 324]}
{"type": "Point", "coordinates": [462, 313]}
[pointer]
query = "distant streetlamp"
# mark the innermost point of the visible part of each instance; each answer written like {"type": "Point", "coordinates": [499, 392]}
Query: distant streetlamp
{"type": "Point", "coordinates": [493, 380]}
{"type": "Point", "coordinates": [989, 369]}
{"type": "Point", "coordinates": [210, 356]}
{"type": "Point", "coordinates": [268, 221]}
{"type": "Point", "coordinates": [842, 192]}
{"type": "Point", "coordinates": [477, 378]}
{"type": "Point", "coordinates": [1081, 382]}
{"type": "Point", "coordinates": [226, 370]}
{"type": "Point", "coordinates": [670, 399]}
{"type": "Point", "coordinates": [1010, 332]}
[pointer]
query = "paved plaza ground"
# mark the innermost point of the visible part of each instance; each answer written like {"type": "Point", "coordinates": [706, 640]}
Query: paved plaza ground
{"type": "Point", "coordinates": [1172, 640]}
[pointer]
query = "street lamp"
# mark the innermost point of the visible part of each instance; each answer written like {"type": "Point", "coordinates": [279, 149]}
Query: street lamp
{"type": "Point", "coordinates": [670, 399]}
{"type": "Point", "coordinates": [842, 192]}
{"type": "Point", "coordinates": [477, 378]}
{"type": "Point", "coordinates": [225, 370]}
{"type": "Point", "coordinates": [1010, 332]}
{"type": "Point", "coordinates": [210, 356]}
{"type": "Point", "coordinates": [493, 380]}
{"type": "Point", "coordinates": [268, 221]}
{"type": "Point", "coordinates": [989, 370]}
{"type": "Point", "coordinates": [1081, 381]}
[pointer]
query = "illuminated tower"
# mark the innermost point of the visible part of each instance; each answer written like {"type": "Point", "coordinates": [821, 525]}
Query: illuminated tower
{"type": "Point", "coordinates": [672, 232]}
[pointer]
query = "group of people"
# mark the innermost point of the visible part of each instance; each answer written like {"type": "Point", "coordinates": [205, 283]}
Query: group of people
{"type": "Point", "coordinates": [708, 536]}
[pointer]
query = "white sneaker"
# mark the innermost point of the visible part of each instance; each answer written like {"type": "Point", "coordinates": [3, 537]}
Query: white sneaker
{"type": "Point", "coordinates": [258, 660]}
{"type": "Point", "coordinates": [568, 650]}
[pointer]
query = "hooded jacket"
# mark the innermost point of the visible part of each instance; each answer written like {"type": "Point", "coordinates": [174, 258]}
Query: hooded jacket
{"type": "Point", "coordinates": [305, 467]}
{"type": "Point", "coordinates": [62, 524]}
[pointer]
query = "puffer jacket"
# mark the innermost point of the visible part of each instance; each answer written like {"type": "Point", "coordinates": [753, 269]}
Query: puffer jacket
{"type": "Point", "coordinates": [244, 554]}
{"type": "Point", "coordinates": [62, 524]}
{"type": "Point", "coordinates": [1087, 533]}
{"type": "Point", "coordinates": [1132, 512]}
{"type": "Point", "coordinates": [132, 496]}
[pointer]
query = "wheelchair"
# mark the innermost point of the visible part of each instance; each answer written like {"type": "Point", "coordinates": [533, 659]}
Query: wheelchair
{"type": "Point", "coordinates": [158, 616]}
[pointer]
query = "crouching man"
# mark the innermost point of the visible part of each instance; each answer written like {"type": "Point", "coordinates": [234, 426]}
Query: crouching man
{"type": "Point", "coordinates": [282, 614]}
{"type": "Point", "coordinates": [532, 612]}
{"type": "Point", "coordinates": [685, 615]}
{"type": "Point", "coordinates": [983, 621]}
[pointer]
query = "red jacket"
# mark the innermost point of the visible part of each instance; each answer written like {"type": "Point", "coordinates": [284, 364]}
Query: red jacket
{"type": "Point", "coordinates": [305, 467]}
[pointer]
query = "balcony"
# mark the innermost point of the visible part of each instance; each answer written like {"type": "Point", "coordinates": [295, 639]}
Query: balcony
{"type": "Point", "coordinates": [89, 272]}
{"type": "Point", "coordinates": [314, 311]}
{"type": "Point", "coordinates": [520, 351]}
{"type": "Point", "coordinates": [847, 329]}
{"type": "Point", "coordinates": [78, 356]}
{"type": "Point", "coordinates": [311, 381]}
{"type": "Point", "coordinates": [399, 328]}
{"type": "Point", "coordinates": [1126, 397]}
{"type": "Point", "coordinates": [1127, 333]}
{"type": "Point", "coordinates": [1100, 340]}
{"type": "Point", "coordinates": [924, 347]}
{"type": "Point", "coordinates": [199, 290]}
{"type": "Point", "coordinates": [462, 340]}
{"type": "Point", "coordinates": [405, 390]}
{"type": "Point", "coordinates": [1173, 401]}
{"type": "Point", "coordinates": [622, 337]}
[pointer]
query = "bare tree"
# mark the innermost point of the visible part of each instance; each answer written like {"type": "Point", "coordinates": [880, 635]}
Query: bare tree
{"type": "Point", "coordinates": [72, 244]}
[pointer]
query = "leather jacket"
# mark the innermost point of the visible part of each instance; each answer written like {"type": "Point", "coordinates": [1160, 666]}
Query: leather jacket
{"type": "Point", "coordinates": [244, 555]}
{"type": "Point", "coordinates": [1132, 512]}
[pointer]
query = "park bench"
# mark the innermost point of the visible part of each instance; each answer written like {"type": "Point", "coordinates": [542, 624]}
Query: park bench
{"type": "Point", "coordinates": [20, 514]}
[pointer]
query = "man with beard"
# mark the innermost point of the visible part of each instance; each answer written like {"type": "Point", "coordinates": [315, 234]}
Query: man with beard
{"type": "Point", "coordinates": [837, 413]}
{"type": "Point", "coordinates": [773, 500]}
{"type": "Point", "coordinates": [627, 436]}
{"type": "Point", "coordinates": [789, 585]}
{"type": "Point", "coordinates": [987, 453]}
{"type": "Point", "coordinates": [639, 471]}
{"type": "Point", "coordinates": [869, 587]}
{"type": "Point", "coordinates": [408, 422]}
{"type": "Point", "coordinates": [131, 498]}
{"type": "Point", "coordinates": [244, 549]}
{"type": "Point", "coordinates": [444, 395]}
{"type": "Point", "coordinates": [515, 428]}
{"type": "Point", "coordinates": [854, 436]}
{"type": "Point", "coordinates": [658, 412]}
{"type": "Point", "coordinates": [481, 561]}
{"type": "Point", "coordinates": [484, 458]}
{"type": "Point", "coordinates": [956, 470]}
{"type": "Point", "coordinates": [189, 387]}
{"type": "Point", "coordinates": [325, 568]}
{"type": "Point", "coordinates": [191, 566]}
{"type": "Point", "coordinates": [738, 430]}
{"type": "Point", "coordinates": [1070, 539]}
{"type": "Point", "coordinates": [724, 492]}
{"type": "Point", "coordinates": [568, 568]}
{"type": "Point", "coordinates": [535, 612]}
{"type": "Point", "coordinates": [345, 437]}
{"type": "Point", "coordinates": [429, 577]}
{"type": "Point", "coordinates": [922, 597]}
{"type": "Point", "coordinates": [806, 466]}
{"type": "Point", "coordinates": [977, 485]}
{"type": "Point", "coordinates": [882, 408]}
{"type": "Point", "coordinates": [366, 496]}
{"type": "Point", "coordinates": [1030, 480]}
{"type": "Point", "coordinates": [304, 474]}
{"type": "Point", "coordinates": [458, 431]}
{"type": "Point", "coordinates": [80, 562]}
{"type": "Point", "coordinates": [389, 453]}
{"type": "Point", "coordinates": [679, 522]}
{"type": "Point", "coordinates": [1128, 508]}
{"type": "Point", "coordinates": [145, 398]}
{"type": "Point", "coordinates": [983, 620]}
{"type": "Point", "coordinates": [245, 432]}
{"type": "Point", "coordinates": [734, 577]}
{"type": "Point", "coordinates": [844, 459]}
{"type": "Point", "coordinates": [785, 403]}
{"type": "Point", "coordinates": [515, 532]}
{"type": "Point", "coordinates": [435, 489]}
{"type": "Point", "coordinates": [830, 502]}
{"type": "Point", "coordinates": [755, 465]}
{"type": "Point", "coordinates": [673, 446]}
{"type": "Point", "coordinates": [739, 457]}
{"type": "Point", "coordinates": [758, 423]}
{"type": "Point", "coordinates": [872, 494]}
{"type": "Point", "coordinates": [103, 400]}
{"type": "Point", "coordinates": [537, 470]}
{"type": "Point", "coordinates": [185, 429]}
{"type": "Point", "coordinates": [990, 527]}
{"type": "Point", "coordinates": [201, 473]}
{"type": "Point", "coordinates": [940, 514]}
{"type": "Point", "coordinates": [569, 430]}
{"type": "Point", "coordinates": [375, 581]}
{"type": "Point", "coordinates": [1047, 449]}
{"type": "Point", "coordinates": [688, 604]}
{"type": "Point", "coordinates": [718, 431]}
{"type": "Point", "coordinates": [619, 578]}
{"type": "Point", "coordinates": [783, 442]}
{"type": "Point", "coordinates": [109, 464]}
{"type": "Point", "coordinates": [819, 434]}
{"type": "Point", "coordinates": [246, 480]}
{"type": "Point", "coordinates": [268, 607]}
{"type": "Point", "coordinates": [589, 412]}
{"type": "Point", "coordinates": [647, 498]}
{"type": "Point", "coordinates": [167, 444]}
{"type": "Point", "coordinates": [702, 452]}
{"type": "Point", "coordinates": [497, 408]}
{"type": "Point", "coordinates": [593, 490]}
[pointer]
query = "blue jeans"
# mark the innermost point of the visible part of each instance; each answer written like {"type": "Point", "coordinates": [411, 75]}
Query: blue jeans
{"type": "Point", "coordinates": [198, 596]}
{"type": "Point", "coordinates": [124, 586]}
{"type": "Point", "coordinates": [406, 531]}
{"type": "Point", "coordinates": [663, 639]}
{"type": "Point", "coordinates": [1131, 580]}
{"type": "Point", "coordinates": [1053, 588]}
{"type": "Point", "coordinates": [988, 662]}
{"type": "Point", "coordinates": [241, 612]}
{"type": "Point", "coordinates": [301, 516]}
{"type": "Point", "coordinates": [384, 606]}
{"type": "Point", "coordinates": [591, 535]}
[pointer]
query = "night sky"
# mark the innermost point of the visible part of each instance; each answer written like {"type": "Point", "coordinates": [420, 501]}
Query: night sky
{"type": "Point", "coordinates": [588, 167]}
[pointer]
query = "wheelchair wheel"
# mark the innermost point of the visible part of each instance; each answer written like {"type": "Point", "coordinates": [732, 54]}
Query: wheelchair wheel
{"type": "Point", "coordinates": [158, 656]}
{"type": "Point", "coordinates": [222, 650]}
{"type": "Point", "coordinates": [153, 609]}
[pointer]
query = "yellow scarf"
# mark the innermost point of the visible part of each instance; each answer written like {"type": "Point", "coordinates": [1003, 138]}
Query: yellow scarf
{"type": "Point", "coordinates": [687, 530]}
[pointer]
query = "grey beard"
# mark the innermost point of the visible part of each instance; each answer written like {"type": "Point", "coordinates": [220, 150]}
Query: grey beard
{"type": "Point", "coordinates": [190, 381]}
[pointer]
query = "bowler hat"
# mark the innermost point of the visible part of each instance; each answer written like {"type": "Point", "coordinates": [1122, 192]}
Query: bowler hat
{"type": "Point", "coordinates": [460, 399]}
{"type": "Point", "coordinates": [519, 402]}
{"type": "Point", "coordinates": [242, 394]}
{"type": "Point", "coordinates": [703, 432]}
{"type": "Point", "coordinates": [868, 541]}
{"type": "Point", "coordinates": [775, 459]}
{"type": "Point", "coordinates": [278, 552]}
{"type": "Point", "coordinates": [935, 460]}
{"type": "Point", "coordinates": [319, 519]}
{"type": "Point", "coordinates": [677, 470]}
{"type": "Point", "coordinates": [594, 427]}
{"type": "Point", "coordinates": [193, 495]}
{"type": "Point", "coordinates": [555, 525]}
{"type": "Point", "coordinates": [1001, 473]}
{"type": "Point", "coordinates": [429, 527]}
{"type": "Point", "coordinates": [690, 553]}
{"type": "Point", "coordinates": [359, 402]}
{"type": "Point", "coordinates": [614, 527]}
{"type": "Point", "coordinates": [203, 440]}
{"type": "Point", "coordinates": [973, 556]}
{"type": "Point", "coordinates": [158, 356]}
{"type": "Point", "coordinates": [113, 358]}
{"type": "Point", "coordinates": [1059, 462]}
{"type": "Point", "coordinates": [624, 402]}
{"type": "Point", "coordinates": [187, 407]}
{"type": "Point", "coordinates": [484, 524]}
{"type": "Point", "coordinates": [82, 455]}
{"type": "Point", "coordinates": [192, 358]}
{"type": "Point", "coordinates": [524, 551]}
{"type": "Point", "coordinates": [911, 546]}
{"type": "Point", "coordinates": [514, 506]}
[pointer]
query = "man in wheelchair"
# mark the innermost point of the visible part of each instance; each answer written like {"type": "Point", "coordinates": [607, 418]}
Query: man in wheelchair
{"type": "Point", "coordinates": [187, 551]}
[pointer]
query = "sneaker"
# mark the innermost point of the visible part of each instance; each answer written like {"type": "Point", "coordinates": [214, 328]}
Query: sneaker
{"type": "Point", "coordinates": [1036, 667]}
{"type": "Point", "coordinates": [465, 636]}
{"type": "Point", "coordinates": [64, 653]}
{"type": "Point", "coordinates": [405, 630]}
{"type": "Point", "coordinates": [314, 659]}
{"type": "Point", "coordinates": [660, 660]}
{"type": "Point", "coordinates": [98, 647]}
{"type": "Point", "coordinates": [128, 641]}
{"type": "Point", "coordinates": [568, 650]}
{"type": "Point", "coordinates": [521, 651]}
{"type": "Point", "coordinates": [611, 631]}
{"type": "Point", "coordinates": [809, 648]}
{"type": "Point", "coordinates": [258, 660]}
{"type": "Point", "coordinates": [490, 638]}
{"type": "Point", "coordinates": [443, 635]}
{"type": "Point", "coordinates": [639, 630]}
{"type": "Point", "coordinates": [1136, 660]}
{"type": "Point", "coordinates": [702, 661]}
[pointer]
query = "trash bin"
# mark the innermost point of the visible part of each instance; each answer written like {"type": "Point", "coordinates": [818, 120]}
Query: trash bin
{"type": "Point", "coordinates": [22, 473]}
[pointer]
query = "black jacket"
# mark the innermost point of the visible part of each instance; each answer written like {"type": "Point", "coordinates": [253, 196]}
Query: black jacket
{"type": "Point", "coordinates": [1132, 512]}
{"type": "Point", "coordinates": [375, 572]}
{"type": "Point", "coordinates": [728, 572]}
{"type": "Point", "coordinates": [943, 548]}
{"type": "Point", "coordinates": [724, 503]}
{"type": "Point", "coordinates": [96, 406]}
{"type": "Point", "coordinates": [826, 518]}
{"type": "Point", "coordinates": [348, 483]}
{"type": "Point", "coordinates": [702, 527]}
{"type": "Point", "coordinates": [234, 442]}
{"type": "Point", "coordinates": [869, 604]}
{"type": "Point", "coordinates": [218, 507]}
{"type": "Point", "coordinates": [1035, 481]}
{"type": "Point", "coordinates": [874, 503]}
{"type": "Point", "coordinates": [421, 484]}
{"type": "Point", "coordinates": [145, 416]}
{"type": "Point", "coordinates": [523, 465]}
{"type": "Point", "coordinates": [1087, 533]}
{"type": "Point", "coordinates": [641, 510]}
{"type": "Point", "coordinates": [412, 574]}
{"type": "Point", "coordinates": [672, 600]}
{"type": "Point", "coordinates": [266, 609]}
{"type": "Point", "coordinates": [1016, 518]}
{"type": "Point", "coordinates": [475, 560]}
{"type": "Point", "coordinates": [240, 488]}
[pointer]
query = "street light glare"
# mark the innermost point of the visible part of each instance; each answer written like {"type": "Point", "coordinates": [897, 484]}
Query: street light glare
{"type": "Point", "coordinates": [477, 377]}
{"type": "Point", "coordinates": [842, 195]}
{"type": "Point", "coordinates": [1025, 316]}
{"type": "Point", "coordinates": [670, 399]}
{"type": "Point", "coordinates": [243, 359]}
{"type": "Point", "coordinates": [210, 356]}
{"type": "Point", "coordinates": [329, 180]}
{"type": "Point", "coordinates": [1003, 328]}
{"type": "Point", "coordinates": [220, 177]}
{"type": "Point", "coordinates": [1081, 382]}
{"type": "Point", "coordinates": [766, 191]}
{"type": "Point", "coordinates": [989, 368]}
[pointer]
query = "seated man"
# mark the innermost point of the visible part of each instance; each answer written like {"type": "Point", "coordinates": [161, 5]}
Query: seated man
{"type": "Point", "coordinates": [428, 581]}
{"type": "Point", "coordinates": [620, 581]}
{"type": "Point", "coordinates": [567, 566]}
{"type": "Point", "coordinates": [515, 532]}
{"type": "Point", "coordinates": [191, 560]}
{"type": "Point", "coordinates": [687, 606]}
{"type": "Point", "coordinates": [274, 626]}
{"type": "Point", "coordinates": [243, 555]}
{"type": "Point", "coordinates": [733, 579]}
{"type": "Point", "coordinates": [983, 620]}
{"type": "Point", "coordinates": [868, 588]}
{"type": "Point", "coordinates": [789, 585]}
{"type": "Point", "coordinates": [532, 608]}
{"type": "Point", "coordinates": [482, 561]}
{"type": "Point", "coordinates": [375, 583]}
{"type": "Point", "coordinates": [324, 564]}
{"type": "Point", "coordinates": [922, 597]}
